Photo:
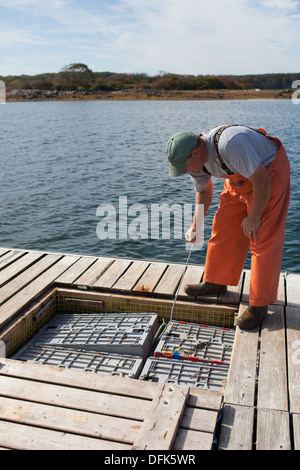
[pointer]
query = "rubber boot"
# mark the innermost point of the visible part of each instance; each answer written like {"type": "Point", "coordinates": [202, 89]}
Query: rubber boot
{"type": "Point", "coordinates": [204, 288]}
{"type": "Point", "coordinates": [251, 318]}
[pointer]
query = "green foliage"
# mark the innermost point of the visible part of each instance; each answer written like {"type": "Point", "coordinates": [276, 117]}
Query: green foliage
{"type": "Point", "coordinates": [79, 76]}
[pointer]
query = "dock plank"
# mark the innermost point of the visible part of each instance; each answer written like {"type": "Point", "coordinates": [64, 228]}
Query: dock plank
{"type": "Point", "coordinates": [273, 430]}
{"type": "Point", "coordinates": [150, 278]}
{"type": "Point", "coordinates": [40, 404]}
{"type": "Point", "coordinates": [160, 426]}
{"type": "Point", "coordinates": [94, 272]}
{"type": "Point", "coordinates": [23, 437]}
{"type": "Point", "coordinates": [81, 399]}
{"type": "Point", "coordinates": [272, 367]}
{"type": "Point", "coordinates": [19, 266]}
{"type": "Point", "coordinates": [296, 428]}
{"type": "Point", "coordinates": [131, 277]}
{"type": "Point", "coordinates": [68, 420]}
{"type": "Point", "coordinates": [292, 289]}
{"type": "Point", "coordinates": [193, 275]}
{"type": "Point", "coordinates": [241, 381]}
{"type": "Point", "coordinates": [293, 352]}
{"type": "Point", "coordinates": [3, 251]}
{"type": "Point", "coordinates": [21, 299]}
{"type": "Point", "coordinates": [112, 273]}
{"type": "Point", "coordinates": [199, 419]}
{"type": "Point", "coordinates": [237, 428]}
{"type": "Point", "coordinates": [9, 257]}
{"type": "Point", "coordinates": [187, 439]}
{"type": "Point", "coordinates": [170, 280]}
{"type": "Point", "coordinates": [76, 270]}
{"type": "Point", "coordinates": [27, 276]}
{"type": "Point", "coordinates": [60, 376]}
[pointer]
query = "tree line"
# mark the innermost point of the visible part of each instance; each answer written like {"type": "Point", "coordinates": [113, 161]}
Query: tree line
{"type": "Point", "coordinates": [81, 78]}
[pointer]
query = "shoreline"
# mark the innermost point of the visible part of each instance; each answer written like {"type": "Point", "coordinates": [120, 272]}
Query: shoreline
{"type": "Point", "coordinates": [145, 95]}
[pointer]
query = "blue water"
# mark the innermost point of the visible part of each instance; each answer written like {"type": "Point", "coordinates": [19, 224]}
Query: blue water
{"type": "Point", "coordinates": [64, 163]}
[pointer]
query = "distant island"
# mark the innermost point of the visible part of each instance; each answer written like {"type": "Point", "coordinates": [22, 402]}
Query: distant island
{"type": "Point", "coordinates": [78, 82]}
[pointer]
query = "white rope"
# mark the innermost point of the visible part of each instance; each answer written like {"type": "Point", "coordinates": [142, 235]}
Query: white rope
{"type": "Point", "coordinates": [182, 276]}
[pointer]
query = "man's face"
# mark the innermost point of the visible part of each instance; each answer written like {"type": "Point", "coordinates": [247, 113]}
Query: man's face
{"type": "Point", "coordinates": [194, 163]}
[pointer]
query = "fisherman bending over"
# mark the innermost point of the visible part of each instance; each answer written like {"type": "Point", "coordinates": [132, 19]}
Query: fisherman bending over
{"type": "Point", "coordinates": [252, 211]}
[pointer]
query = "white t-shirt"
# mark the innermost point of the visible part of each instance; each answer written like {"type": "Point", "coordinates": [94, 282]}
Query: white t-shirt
{"type": "Point", "coordinates": [242, 150]}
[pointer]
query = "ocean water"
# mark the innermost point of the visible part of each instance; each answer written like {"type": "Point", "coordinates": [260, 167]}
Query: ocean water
{"type": "Point", "coordinates": [92, 177]}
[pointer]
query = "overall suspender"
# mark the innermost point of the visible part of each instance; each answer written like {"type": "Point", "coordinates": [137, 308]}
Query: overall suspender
{"type": "Point", "coordinates": [216, 141]}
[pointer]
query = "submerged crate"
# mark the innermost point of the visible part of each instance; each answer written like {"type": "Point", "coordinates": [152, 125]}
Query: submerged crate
{"type": "Point", "coordinates": [127, 334]}
{"type": "Point", "coordinates": [193, 374]}
{"type": "Point", "coordinates": [112, 364]}
{"type": "Point", "coordinates": [190, 341]}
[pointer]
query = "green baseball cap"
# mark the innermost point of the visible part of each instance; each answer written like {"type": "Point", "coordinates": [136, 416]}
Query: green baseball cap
{"type": "Point", "coordinates": [179, 148]}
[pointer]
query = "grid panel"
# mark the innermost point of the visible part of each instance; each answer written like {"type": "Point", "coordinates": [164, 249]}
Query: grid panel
{"type": "Point", "coordinates": [112, 364]}
{"type": "Point", "coordinates": [196, 342]}
{"type": "Point", "coordinates": [192, 374]}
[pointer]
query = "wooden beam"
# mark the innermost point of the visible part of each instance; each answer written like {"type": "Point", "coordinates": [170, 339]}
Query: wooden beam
{"type": "Point", "coordinates": [241, 381]}
{"type": "Point", "coordinates": [160, 426]}
{"type": "Point", "coordinates": [272, 380]}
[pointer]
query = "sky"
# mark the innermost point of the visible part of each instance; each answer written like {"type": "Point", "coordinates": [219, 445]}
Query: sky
{"type": "Point", "coordinates": [190, 37]}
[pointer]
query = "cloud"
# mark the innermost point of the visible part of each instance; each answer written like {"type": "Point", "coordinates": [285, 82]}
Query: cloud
{"type": "Point", "coordinates": [191, 37]}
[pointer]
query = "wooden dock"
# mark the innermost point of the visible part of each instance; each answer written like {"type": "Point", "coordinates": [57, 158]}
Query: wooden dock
{"type": "Point", "coordinates": [43, 407]}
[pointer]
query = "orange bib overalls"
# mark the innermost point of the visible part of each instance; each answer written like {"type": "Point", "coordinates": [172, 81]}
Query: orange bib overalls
{"type": "Point", "coordinates": [228, 246]}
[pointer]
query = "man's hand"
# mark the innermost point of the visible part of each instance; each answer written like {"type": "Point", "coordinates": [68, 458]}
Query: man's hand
{"type": "Point", "coordinates": [250, 226]}
{"type": "Point", "coordinates": [261, 195]}
{"type": "Point", "coordinates": [190, 235]}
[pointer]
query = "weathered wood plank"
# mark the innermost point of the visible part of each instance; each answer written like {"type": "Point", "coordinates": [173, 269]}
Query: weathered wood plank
{"type": "Point", "coordinates": [27, 276]}
{"type": "Point", "coordinates": [237, 428]}
{"type": "Point", "coordinates": [292, 289]}
{"type": "Point", "coordinates": [18, 266]}
{"type": "Point", "coordinates": [150, 278]}
{"type": "Point", "coordinates": [91, 275]}
{"type": "Point", "coordinates": [80, 399]}
{"type": "Point", "coordinates": [160, 426]}
{"type": "Point", "coordinates": [23, 437]}
{"type": "Point", "coordinates": [72, 378]}
{"type": "Point", "coordinates": [199, 420]}
{"type": "Point", "coordinates": [293, 352]}
{"type": "Point", "coordinates": [206, 399]}
{"type": "Point", "coordinates": [193, 440]}
{"type": "Point", "coordinates": [170, 280]}
{"type": "Point", "coordinates": [12, 306]}
{"type": "Point", "coordinates": [76, 270]}
{"type": "Point", "coordinates": [193, 275]}
{"type": "Point", "coordinates": [3, 251]}
{"type": "Point", "coordinates": [272, 364]}
{"type": "Point", "coordinates": [273, 430]}
{"type": "Point", "coordinates": [10, 257]}
{"type": "Point", "coordinates": [131, 277]}
{"type": "Point", "coordinates": [296, 428]}
{"type": "Point", "coordinates": [69, 420]}
{"type": "Point", "coordinates": [113, 273]}
{"type": "Point", "coordinates": [240, 388]}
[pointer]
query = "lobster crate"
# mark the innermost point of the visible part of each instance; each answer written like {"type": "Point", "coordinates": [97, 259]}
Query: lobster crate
{"type": "Point", "coordinates": [129, 334]}
{"type": "Point", "coordinates": [105, 363]}
{"type": "Point", "coordinates": [199, 375]}
{"type": "Point", "coordinates": [193, 342]}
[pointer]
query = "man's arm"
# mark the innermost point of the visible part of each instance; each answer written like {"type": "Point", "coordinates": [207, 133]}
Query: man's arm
{"type": "Point", "coordinates": [202, 198]}
{"type": "Point", "coordinates": [261, 195]}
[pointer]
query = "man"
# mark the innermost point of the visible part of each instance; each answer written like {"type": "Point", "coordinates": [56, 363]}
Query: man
{"type": "Point", "coordinates": [252, 211]}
